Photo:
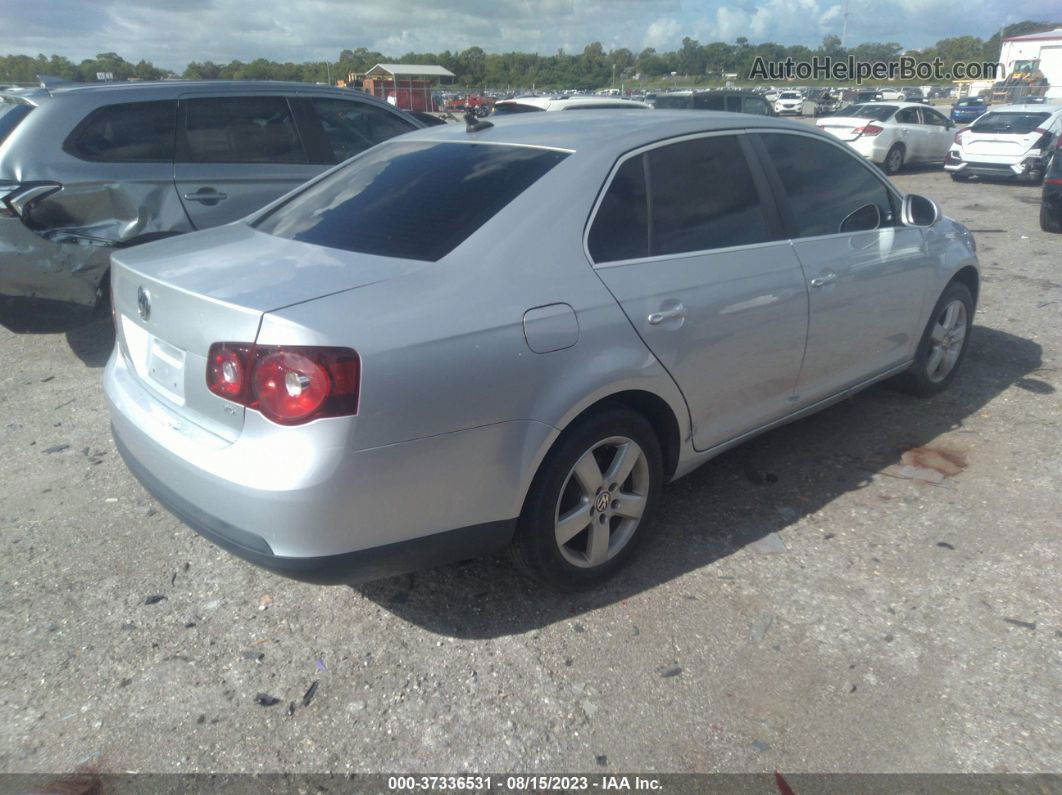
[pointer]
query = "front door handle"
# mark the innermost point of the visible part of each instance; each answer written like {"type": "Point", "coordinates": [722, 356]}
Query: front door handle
{"type": "Point", "coordinates": [206, 196]}
{"type": "Point", "coordinates": [823, 279]}
{"type": "Point", "coordinates": [656, 318]}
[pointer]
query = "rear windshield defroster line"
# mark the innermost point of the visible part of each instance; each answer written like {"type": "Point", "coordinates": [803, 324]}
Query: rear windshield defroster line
{"type": "Point", "coordinates": [412, 200]}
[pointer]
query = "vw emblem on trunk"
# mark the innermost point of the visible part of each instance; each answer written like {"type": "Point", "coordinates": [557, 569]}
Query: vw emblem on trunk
{"type": "Point", "coordinates": [143, 303]}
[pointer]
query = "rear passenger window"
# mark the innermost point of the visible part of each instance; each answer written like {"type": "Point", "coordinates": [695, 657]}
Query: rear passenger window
{"type": "Point", "coordinates": [755, 105]}
{"type": "Point", "coordinates": [130, 132]}
{"type": "Point", "coordinates": [733, 104]}
{"type": "Point", "coordinates": [707, 102]}
{"type": "Point", "coordinates": [353, 127]}
{"type": "Point", "coordinates": [825, 184]}
{"type": "Point", "coordinates": [240, 130]}
{"type": "Point", "coordinates": [621, 226]}
{"type": "Point", "coordinates": [703, 197]}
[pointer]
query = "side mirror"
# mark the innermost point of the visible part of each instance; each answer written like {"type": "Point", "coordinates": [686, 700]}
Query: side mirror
{"type": "Point", "coordinates": [919, 211]}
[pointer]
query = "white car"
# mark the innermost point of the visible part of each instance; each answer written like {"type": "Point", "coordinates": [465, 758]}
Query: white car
{"type": "Point", "coordinates": [532, 104]}
{"type": "Point", "coordinates": [891, 93]}
{"type": "Point", "coordinates": [789, 102]}
{"type": "Point", "coordinates": [892, 133]}
{"type": "Point", "coordinates": [1010, 141]}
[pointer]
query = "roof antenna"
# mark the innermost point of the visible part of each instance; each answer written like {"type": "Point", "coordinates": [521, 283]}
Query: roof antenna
{"type": "Point", "coordinates": [472, 124]}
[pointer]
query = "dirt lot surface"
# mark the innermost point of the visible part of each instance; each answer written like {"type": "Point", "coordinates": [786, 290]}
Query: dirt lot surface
{"type": "Point", "coordinates": [809, 602]}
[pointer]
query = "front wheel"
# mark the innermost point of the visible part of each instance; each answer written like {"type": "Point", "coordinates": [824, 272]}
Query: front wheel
{"type": "Point", "coordinates": [590, 502]}
{"type": "Point", "coordinates": [943, 344]}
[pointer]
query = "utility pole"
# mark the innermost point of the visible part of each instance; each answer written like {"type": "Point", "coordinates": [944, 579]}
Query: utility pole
{"type": "Point", "coordinates": [844, 26]}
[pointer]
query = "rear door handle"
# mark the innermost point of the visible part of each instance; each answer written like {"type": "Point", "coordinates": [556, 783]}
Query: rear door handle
{"type": "Point", "coordinates": [823, 279]}
{"type": "Point", "coordinates": [205, 195]}
{"type": "Point", "coordinates": [656, 318]}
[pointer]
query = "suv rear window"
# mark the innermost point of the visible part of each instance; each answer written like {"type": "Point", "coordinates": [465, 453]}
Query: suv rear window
{"type": "Point", "coordinates": [410, 200]}
{"type": "Point", "coordinates": [1019, 123]}
{"type": "Point", "coordinates": [240, 130]}
{"type": "Point", "coordinates": [11, 113]}
{"type": "Point", "coordinates": [130, 132]}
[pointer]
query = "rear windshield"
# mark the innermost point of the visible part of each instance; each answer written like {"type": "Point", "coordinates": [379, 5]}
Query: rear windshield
{"type": "Point", "coordinates": [1020, 123]}
{"type": "Point", "coordinates": [875, 112]}
{"type": "Point", "coordinates": [11, 113]}
{"type": "Point", "coordinates": [410, 200]}
{"type": "Point", "coordinates": [514, 107]}
{"type": "Point", "coordinates": [967, 103]}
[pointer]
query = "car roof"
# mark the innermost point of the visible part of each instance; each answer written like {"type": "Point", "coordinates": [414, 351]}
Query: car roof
{"type": "Point", "coordinates": [602, 129]}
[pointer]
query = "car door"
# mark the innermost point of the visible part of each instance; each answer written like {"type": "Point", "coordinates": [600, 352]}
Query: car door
{"type": "Point", "coordinates": [939, 135]}
{"type": "Point", "coordinates": [867, 273]}
{"type": "Point", "coordinates": [688, 241]}
{"type": "Point", "coordinates": [911, 132]}
{"type": "Point", "coordinates": [235, 154]}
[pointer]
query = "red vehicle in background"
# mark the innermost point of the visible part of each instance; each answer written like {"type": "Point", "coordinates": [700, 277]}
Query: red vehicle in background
{"type": "Point", "coordinates": [478, 104]}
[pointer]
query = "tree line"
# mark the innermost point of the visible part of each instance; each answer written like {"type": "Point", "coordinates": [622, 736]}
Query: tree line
{"type": "Point", "coordinates": [592, 68]}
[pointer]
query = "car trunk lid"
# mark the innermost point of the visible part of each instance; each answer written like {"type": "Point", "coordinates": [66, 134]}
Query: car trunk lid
{"type": "Point", "coordinates": [998, 144]}
{"type": "Point", "coordinates": [847, 128]}
{"type": "Point", "coordinates": [174, 299]}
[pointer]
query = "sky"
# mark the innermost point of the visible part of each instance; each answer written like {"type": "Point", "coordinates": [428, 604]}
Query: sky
{"type": "Point", "coordinates": [170, 33]}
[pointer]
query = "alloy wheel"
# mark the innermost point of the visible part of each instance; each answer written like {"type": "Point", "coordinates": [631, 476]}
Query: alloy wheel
{"type": "Point", "coordinates": [602, 502]}
{"type": "Point", "coordinates": [946, 341]}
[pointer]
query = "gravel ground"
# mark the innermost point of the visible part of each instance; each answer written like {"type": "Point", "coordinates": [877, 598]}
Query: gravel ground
{"type": "Point", "coordinates": [804, 605]}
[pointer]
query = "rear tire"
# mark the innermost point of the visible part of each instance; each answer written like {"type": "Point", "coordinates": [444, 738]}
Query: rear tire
{"type": "Point", "coordinates": [590, 502]}
{"type": "Point", "coordinates": [956, 177]}
{"type": "Point", "coordinates": [894, 159]}
{"type": "Point", "coordinates": [1050, 222]}
{"type": "Point", "coordinates": [943, 344]}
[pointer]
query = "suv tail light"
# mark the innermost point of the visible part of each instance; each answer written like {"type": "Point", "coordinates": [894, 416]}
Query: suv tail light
{"type": "Point", "coordinates": [869, 130]}
{"type": "Point", "coordinates": [17, 198]}
{"type": "Point", "coordinates": [1044, 141]}
{"type": "Point", "coordinates": [958, 137]}
{"type": "Point", "coordinates": [289, 384]}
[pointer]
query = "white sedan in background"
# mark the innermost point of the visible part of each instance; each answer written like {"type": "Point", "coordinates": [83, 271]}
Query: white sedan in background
{"type": "Point", "coordinates": [893, 133]}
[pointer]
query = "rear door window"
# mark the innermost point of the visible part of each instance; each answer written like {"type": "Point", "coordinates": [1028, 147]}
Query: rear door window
{"type": "Point", "coordinates": [825, 184]}
{"type": "Point", "coordinates": [350, 128]}
{"type": "Point", "coordinates": [733, 104]}
{"type": "Point", "coordinates": [708, 102]}
{"type": "Point", "coordinates": [621, 226]}
{"type": "Point", "coordinates": [754, 105]}
{"type": "Point", "coordinates": [129, 132]}
{"type": "Point", "coordinates": [11, 114]}
{"type": "Point", "coordinates": [702, 197]}
{"type": "Point", "coordinates": [414, 200]}
{"type": "Point", "coordinates": [239, 130]}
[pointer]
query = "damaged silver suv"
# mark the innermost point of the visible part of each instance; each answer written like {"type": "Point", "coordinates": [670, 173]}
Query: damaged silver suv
{"type": "Point", "coordinates": [88, 169]}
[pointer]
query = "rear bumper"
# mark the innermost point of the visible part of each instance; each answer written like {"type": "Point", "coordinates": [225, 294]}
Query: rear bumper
{"type": "Point", "coordinates": [300, 502]}
{"type": "Point", "coordinates": [31, 266]}
{"type": "Point", "coordinates": [348, 568]}
{"type": "Point", "coordinates": [1016, 167]}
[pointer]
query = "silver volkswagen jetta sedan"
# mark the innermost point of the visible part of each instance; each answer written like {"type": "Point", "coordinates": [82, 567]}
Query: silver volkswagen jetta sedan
{"type": "Point", "coordinates": [467, 339]}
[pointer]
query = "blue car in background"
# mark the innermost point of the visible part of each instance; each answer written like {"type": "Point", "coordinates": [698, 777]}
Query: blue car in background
{"type": "Point", "coordinates": [966, 110]}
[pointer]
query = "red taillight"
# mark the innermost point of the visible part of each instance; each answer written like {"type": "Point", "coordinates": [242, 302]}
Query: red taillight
{"type": "Point", "coordinates": [289, 385]}
{"type": "Point", "coordinates": [1053, 181]}
{"type": "Point", "coordinates": [958, 137]}
{"type": "Point", "coordinates": [1044, 141]}
{"type": "Point", "coordinates": [227, 369]}
{"type": "Point", "coordinates": [870, 130]}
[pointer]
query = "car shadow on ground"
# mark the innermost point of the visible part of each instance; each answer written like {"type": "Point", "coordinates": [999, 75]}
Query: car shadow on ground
{"type": "Point", "coordinates": [742, 497]}
{"type": "Point", "coordinates": [89, 331]}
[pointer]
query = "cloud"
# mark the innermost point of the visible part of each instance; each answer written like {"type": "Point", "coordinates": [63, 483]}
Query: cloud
{"type": "Point", "coordinates": [173, 32]}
